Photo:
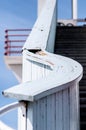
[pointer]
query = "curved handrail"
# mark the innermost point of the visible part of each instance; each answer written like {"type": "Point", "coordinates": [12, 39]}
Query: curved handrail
{"type": "Point", "coordinates": [10, 107]}
{"type": "Point", "coordinates": [40, 42]}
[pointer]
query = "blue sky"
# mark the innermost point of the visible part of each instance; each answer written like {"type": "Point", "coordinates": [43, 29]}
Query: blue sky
{"type": "Point", "coordinates": [13, 14]}
{"type": "Point", "coordinates": [22, 14]}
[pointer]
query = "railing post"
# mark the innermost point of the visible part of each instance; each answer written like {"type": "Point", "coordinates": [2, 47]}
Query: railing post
{"type": "Point", "coordinates": [31, 70]}
{"type": "Point", "coordinates": [74, 9]}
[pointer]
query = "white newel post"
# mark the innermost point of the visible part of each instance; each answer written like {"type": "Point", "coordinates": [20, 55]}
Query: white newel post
{"type": "Point", "coordinates": [33, 70]}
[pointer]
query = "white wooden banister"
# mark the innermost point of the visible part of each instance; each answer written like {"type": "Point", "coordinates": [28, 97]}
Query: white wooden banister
{"type": "Point", "coordinates": [44, 29]}
{"type": "Point", "coordinates": [9, 107]}
{"type": "Point", "coordinates": [50, 82]}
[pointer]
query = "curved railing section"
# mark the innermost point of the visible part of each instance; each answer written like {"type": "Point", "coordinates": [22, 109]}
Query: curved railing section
{"type": "Point", "coordinates": [37, 50]}
{"type": "Point", "coordinates": [12, 106]}
{"type": "Point", "coordinates": [45, 73]}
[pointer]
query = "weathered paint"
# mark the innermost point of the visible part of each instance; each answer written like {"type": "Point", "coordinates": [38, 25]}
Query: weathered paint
{"type": "Point", "coordinates": [50, 82]}
{"type": "Point", "coordinates": [66, 72]}
{"type": "Point", "coordinates": [54, 112]}
{"type": "Point", "coordinates": [44, 29]}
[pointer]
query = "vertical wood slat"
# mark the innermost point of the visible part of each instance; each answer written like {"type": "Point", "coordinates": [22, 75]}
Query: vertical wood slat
{"type": "Point", "coordinates": [77, 105]}
{"type": "Point", "coordinates": [40, 109]}
{"type": "Point", "coordinates": [66, 110]}
{"type": "Point", "coordinates": [74, 108]}
{"type": "Point", "coordinates": [59, 113]}
{"type": "Point", "coordinates": [29, 125]}
{"type": "Point", "coordinates": [38, 115]}
{"type": "Point", "coordinates": [43, 119]}
{"type": "Point", "coordinates": [35, 116]}
{"type": "Point", "coordinates": [27, 75]}
{"type": "Point", "coordinates": [38, 71]}
{"type": "Point", "coordinates": [51, 112]}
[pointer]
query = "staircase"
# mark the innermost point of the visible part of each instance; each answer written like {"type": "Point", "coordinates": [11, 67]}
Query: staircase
{"type": "Point", "coordinates": [71, 42]}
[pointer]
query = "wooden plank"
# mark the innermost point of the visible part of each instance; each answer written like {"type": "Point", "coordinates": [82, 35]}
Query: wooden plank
{"type": "Point", "coordinates": [59, 111]}
{"type": "Point", "coordinates": [38, 115]}
{"type": "Point", "coordinates": [35, 115]}
{"type": "Point", "coordinates": [43, 114]}
{"type": "Point", "coordinates": [26, 70]}
{"type": "Point", "coordinates": [29, 125]}
{"type": "Point", "coordinates": [77, 105]}
{"type": "Point", "coordinates": [51, 113]}
{"type": "Point", "coordinates": [66, 110]}
{"type": "Point", "coordinates": [74, 108]}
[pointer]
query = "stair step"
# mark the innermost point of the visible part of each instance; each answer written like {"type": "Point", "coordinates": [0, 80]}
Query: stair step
{"type": "Point", "coordinates": [82, 101]}
{"type": "Point", "coordinates": [71, 42]}
{"type": "Point", "coordinates": [82, 88]}
{"type": "Point", "coordinates": [74, 29]}
{"type": "Point", "coordinates": [82, 94]}
{"type": "Point", "coordinates": [71, 50]}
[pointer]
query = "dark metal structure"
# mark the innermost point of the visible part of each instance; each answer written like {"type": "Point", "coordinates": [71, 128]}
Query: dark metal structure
{"type": "Point", "coordinates": [71, 42]}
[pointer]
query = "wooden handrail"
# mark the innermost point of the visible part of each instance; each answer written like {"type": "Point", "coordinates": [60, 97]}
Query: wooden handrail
{"type": "Point", "coordinates": [10, 107]}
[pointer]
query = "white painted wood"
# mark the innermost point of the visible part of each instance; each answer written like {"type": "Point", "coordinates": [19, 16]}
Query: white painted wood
{"type": "Point", "coordinates": [38, 115]}
{"type": "Point", "coordinates": [78, 105]}
{"type": "Point", "coordinates": [59, 111]}
{"type": "Point", "coordinates": [29, 120]}
{"type": "Point", "coordinates": [35, 116]}
{"type": "Point", "coordinates": [40, 6]}
{"type": "Point", "coordinates": [74, 107]}
{"type": "Point", "coordinates": [46, 89]}
{"type": "Point", "coordinates": [21, 119]}
{"type": "Point", "coordinates": [52, 33]}
{"type": "Point", "coordinates": [66, 109]}
{"type": "Point", "coordinates": [26, 73]}
{"type": "Point", "coordinates": [74, 9]}
{"type": "Point", "coordinates": [44, 29]}
{"type": "Point", "coordinates": [10, 107]}
{"type": "Point", "coordinates": [43, 114]}
{"type": "Point", "coordinates": [51, 112]}
{"type": "Point", "coordinates": [55, 81]}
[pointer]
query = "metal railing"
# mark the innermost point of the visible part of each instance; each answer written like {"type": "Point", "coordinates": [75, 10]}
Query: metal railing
{"type": "Point", "coordinates": [14, 40]}
{"type": "Point", "coordinates": [72, 22]}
